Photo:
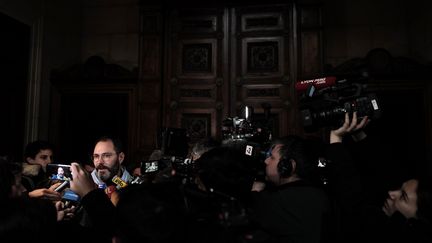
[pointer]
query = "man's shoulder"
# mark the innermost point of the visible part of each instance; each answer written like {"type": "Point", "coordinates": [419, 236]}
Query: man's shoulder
{"type": "Point", "coordinates": [126, 176]}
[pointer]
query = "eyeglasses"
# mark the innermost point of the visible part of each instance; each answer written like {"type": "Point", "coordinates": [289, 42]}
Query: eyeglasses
{"type": "Point", "coordinates": [104, 156]}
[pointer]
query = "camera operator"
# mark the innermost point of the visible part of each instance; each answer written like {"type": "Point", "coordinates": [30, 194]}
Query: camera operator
{"type": "Point", "coordinates": [220, 205]}
{"type": "Point", "coordinates": [293, 209]}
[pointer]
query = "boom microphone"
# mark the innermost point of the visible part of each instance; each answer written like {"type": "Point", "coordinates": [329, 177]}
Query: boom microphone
{"type": "Point", "coordinates": [317, 83]}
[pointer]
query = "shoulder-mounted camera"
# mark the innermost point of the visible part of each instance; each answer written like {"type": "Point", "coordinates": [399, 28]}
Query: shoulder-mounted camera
{"type": "Point", "coordinates": [324, 101]}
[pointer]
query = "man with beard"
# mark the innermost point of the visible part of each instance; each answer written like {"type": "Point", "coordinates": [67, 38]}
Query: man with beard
{"type": "Point", "coordinates": [108, 157]}
{"type": "Point", "coordinates": [95, 213]}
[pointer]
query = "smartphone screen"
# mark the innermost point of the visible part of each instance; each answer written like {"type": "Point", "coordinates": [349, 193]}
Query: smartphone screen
{"type": "Point", "coordinates": [151, 166]}
{"type": "Point", "coordinates": [59, 172]}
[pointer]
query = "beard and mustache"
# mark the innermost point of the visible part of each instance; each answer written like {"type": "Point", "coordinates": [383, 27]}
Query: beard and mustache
{"type": "Point", "coordinates": [106, 173]}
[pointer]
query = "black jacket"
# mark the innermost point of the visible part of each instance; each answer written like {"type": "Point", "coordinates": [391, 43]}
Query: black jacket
{"type": "Point", "coordinates": [293, 212]}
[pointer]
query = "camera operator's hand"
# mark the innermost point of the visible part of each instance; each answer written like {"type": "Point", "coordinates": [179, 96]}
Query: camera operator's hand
{"type": "Point", "coordinates": [349, 126]}
{"type": "Point", "coordinates": [46, 193]}
{"type": "Point", "coordinates": [258, 186]}
{"type": "Point", "coordinates": [81, 183]}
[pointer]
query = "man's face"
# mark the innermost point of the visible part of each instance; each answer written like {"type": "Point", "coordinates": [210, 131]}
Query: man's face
{"type": "Point", "coordinates": [106, 160]}
{"type": "Point", "coordinates": [403, 200]}
{"type": "Point", "coordinates": [60, 171]}
{"type": "Point", "coordinates": [271, 165]}
{"type": "Point", "coordinates": [44, 157]}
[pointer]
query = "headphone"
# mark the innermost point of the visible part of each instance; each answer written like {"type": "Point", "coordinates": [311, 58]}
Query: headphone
{"type": "Point", "coordinates": [284, 166]}
{"type": "Point", "coordinates": [288, 152]}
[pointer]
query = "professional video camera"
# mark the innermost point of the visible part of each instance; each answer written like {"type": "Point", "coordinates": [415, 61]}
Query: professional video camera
{"type": "Point", "coordinates": [244, 127]}
{"type": "Point", "coordinates": [324, 101]}
{"type": "Point", "coordinates": [248, 135]}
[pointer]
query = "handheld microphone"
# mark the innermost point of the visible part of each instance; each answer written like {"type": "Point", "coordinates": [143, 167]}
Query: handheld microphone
{"type": "Point", "coordinates": [119, 182]}
{"type": "Point", "coordinates": [62, 186]}
{"type": "Point", "coordinates": [317, 83]}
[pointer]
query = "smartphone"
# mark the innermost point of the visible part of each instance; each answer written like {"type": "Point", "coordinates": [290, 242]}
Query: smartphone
{"type": "Point", "coordinates": [149, 167]}
{"type": "Point", "coordinates": [59, 172]}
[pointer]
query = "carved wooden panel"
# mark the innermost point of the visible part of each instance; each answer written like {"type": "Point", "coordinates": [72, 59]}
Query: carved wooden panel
{"type": "Point", "coordinates": [265, 21]}
{"type": "Point", "coordinates": [220, 58]}
{"type": "Point", "coordinates": [263, 48]}
{"type": "Point", "coordinates": [196, 95]}
{"type": "Point", "coordinates": [197, 126]}
{"type": "Point", "coordinates": [199, 123]}
{"type": "Point", "coordinates": [197, 58]}
{"type": "Point", "coordinates": [193, 93]}
{"type": "Point", "coordinates": [262, 56]}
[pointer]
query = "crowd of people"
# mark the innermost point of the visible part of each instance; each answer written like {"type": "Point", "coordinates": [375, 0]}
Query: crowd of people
{"type": "Point", "coordinates": [222, 199]}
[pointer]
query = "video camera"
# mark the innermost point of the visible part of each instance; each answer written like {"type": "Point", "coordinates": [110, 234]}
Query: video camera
{"type": "Point", "coordinates": [324, 102]}
{"type": "Point", "coordinates": [244, 127]}
{"type": "Point", "coordinates": [249, 136]}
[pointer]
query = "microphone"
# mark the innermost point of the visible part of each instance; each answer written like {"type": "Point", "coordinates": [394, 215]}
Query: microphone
{"type": "Point", "coordinates": [62, 186]}
{"type": "Point", "coordinates": [318, 83]}
{"type": "Point", "coordinates": [119, 182]}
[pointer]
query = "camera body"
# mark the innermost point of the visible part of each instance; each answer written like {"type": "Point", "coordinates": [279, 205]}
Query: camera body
{"type": "Point", "coordinates": [246, 128]}
{"type": "Point", "coordinates": [326, 105]}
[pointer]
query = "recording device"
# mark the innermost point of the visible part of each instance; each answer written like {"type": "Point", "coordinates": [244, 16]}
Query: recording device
{"type": "Point", "coordinates": [249, 136]}
{"type": "Point", "coordinates": [60, 172]}
{"type": "Point", "coordinates": [183, 166]}
{"type": "Point", "coordinates": [239, 127]}
{"type": "Point", "coordinates": [62, 186]}
{"type": "Point", "coordinates": [324, 102]}
{"type": "Point", "coordinates": [318, 83]}
{"type": "Point", "coordinates": [246, 127]}
{"type": "Point", "coordinates": [119, 182]}
{"type": "Point", "coordinates": [151, 166]}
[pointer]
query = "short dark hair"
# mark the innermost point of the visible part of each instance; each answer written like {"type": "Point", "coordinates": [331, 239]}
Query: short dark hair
{"type": "Point", "coordinates": [296, 148]}
{"type": "Point", "coordinates": [118, 145]}
{"type": "Point", "coordinates": [33, 148]}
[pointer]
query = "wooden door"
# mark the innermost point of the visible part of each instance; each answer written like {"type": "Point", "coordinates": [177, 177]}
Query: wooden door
{"type": "Point", "coordinates": [221, 59]}
{"type": "Point", "coordinates": [262, 67]}
{"type": "Point", "coordinates": [196, 87]}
